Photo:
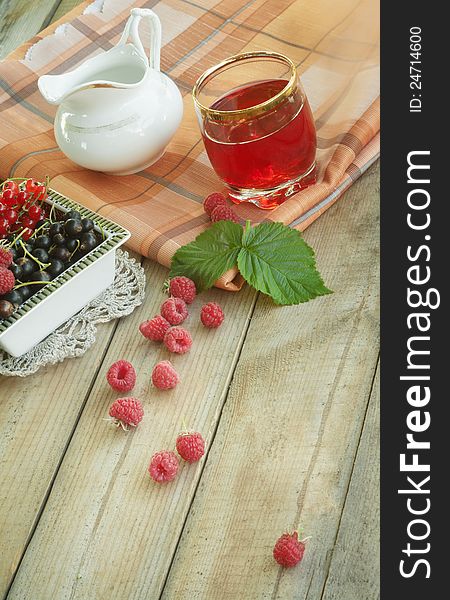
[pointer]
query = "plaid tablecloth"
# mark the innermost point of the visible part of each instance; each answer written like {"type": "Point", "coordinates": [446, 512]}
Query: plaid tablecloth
{"type": "Point", "coordinates": [333, 42]}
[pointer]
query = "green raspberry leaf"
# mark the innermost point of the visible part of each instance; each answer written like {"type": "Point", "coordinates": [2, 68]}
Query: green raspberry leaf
{"type": "Point", "coordinates": [276, 260]}
{"type": "Point", "coordinates": [210, 255]}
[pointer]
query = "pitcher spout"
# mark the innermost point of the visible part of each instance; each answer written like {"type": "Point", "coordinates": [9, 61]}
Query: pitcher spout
{"type": "Point", "coordinates": [120, 67]}
{"type": "Point", "coordinates": [55, 88]}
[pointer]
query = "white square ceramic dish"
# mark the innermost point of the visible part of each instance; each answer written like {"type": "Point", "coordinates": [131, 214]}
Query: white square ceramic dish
{"type": "Point", "coordinates": [68, 293]}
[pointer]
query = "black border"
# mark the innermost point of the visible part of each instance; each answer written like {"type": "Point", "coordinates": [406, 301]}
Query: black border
{"type": "Point", "coordinates": [402, 132]}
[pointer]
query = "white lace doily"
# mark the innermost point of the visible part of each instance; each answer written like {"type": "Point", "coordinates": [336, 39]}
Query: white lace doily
{"type": "Point", "coordinates": [78, 334]}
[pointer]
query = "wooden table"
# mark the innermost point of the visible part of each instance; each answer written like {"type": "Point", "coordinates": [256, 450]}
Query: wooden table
{"type": "Point", "coordinates": [287, 399]}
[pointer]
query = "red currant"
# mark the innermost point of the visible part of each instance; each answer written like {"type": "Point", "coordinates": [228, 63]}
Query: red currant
{"type": "Point", "coordinates": [9, 198]}
{"type": "Point", "coordinates": [22, 197]}
{"type": "Point", "coordinates": [11, 215]}
{"type": "Point", "coordinates": [28, 223]}
{"type": "Point", "coordinates": [4, 226]}
{"type": "Point", "coordinates": [30, 185]}
{"type": "Point", "coordinates": [42, 193]}
{"type": "Point", "coordinates": [7, 194]}
{"type": "Point", "coordinates": [27, 233]}
{"type": "Point", "coordinates": [35, 189]}
{"type": "Point", "coordinates": [12, 186]}
{"type": "Point", "coordinates": [35, 212]}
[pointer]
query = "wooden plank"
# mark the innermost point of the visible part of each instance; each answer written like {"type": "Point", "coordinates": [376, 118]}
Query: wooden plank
{"type": "Point", "coordinates": [107, 529]}
{"type": "Point", "coordinates": [18, 33]}
{"type": "Point", "coordinates": [354, 571]}
{"type": "Point", "coordinates": [18, 23]}
{"type": "Point", "coordinates": [39, 414]}
{"type": "Point", "coordinates": [37, 418]}
{"type": "Point", "coordinates": [283, 453]}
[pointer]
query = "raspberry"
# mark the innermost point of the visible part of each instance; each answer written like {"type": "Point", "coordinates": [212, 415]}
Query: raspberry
{"type": "Point", "coordinates": [184, 288]}
{"type": "Point", "coordinates": [7, 280]}
{"type": "Point", "coordinates": [126, 411]}
{"type": "Point", "coordinates": [190, 446]}
{"type": "Point", "coordinates": [155, 329]}
{"type": "Point", "coordinates": [6, 257]}
{"type": "Point", "coordinates": [288, 550]}
{"type": "Point", "coordinates": [174, 310]}
{"type": "Point", "coordinates": [178, 340]}
{"type": "Point", "coordinates": [224, 213]}
{"type": "Point", "coordinates": [164, 376]}
{"type": "Point", "coordinates": [163, 466]}
{"type": "Point", "coordinates": [121, 376]}
{"type": "Point", "coordinates": [213, 200]}
{"type": "Point", "coordinates": [212, 315]}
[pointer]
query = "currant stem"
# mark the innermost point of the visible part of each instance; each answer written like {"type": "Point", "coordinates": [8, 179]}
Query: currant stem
{"type": "Point", "coordinates": [13, 179]}
{"type": "Point", "coordinates": [101, 230]}
{"type": "Point", "coordinates": [16, 287]}
{"type": "Point", "coordinates": [16, 239]}
{"type": "Point", "coordinates": [50, 216]}
{"type": "Point", "coordinates": [78, 245]}
{"type": "Point", "coordinates": [38, 230]}
{"type": "Point", "coordinates": [25, 251]}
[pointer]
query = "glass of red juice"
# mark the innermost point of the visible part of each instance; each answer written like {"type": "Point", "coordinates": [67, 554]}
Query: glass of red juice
{"type": "Point", "coordinates": [257, 127]}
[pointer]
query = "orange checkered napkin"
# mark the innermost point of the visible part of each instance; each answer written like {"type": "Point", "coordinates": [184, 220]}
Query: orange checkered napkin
{"type": "Point", "coordinates": [333, 42]}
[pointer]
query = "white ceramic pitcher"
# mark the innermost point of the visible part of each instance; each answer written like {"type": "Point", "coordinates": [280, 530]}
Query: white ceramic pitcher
{"type": "Point", "coordinates": [117, 111]}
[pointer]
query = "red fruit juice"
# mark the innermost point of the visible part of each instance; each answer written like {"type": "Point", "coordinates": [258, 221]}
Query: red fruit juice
{"type": "Point", "coordinates": [264, 151]}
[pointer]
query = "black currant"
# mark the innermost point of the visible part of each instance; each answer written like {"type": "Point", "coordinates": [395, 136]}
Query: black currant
{"type": "Point", "coordinates": [40, 254]}
{"type": "Point", "coordinates": [88, 242]}
{"type": "Point", "coordinates": [57, 227]}
{"type": "Point", "coordinates": [58, 239]}
{"type": "Point", "coordinates": [88, 225]}
{"type": "Point", "coordinates": [26, 291]}
{"type": "Point", "coordinates": [56, 267]}
{"type": "Point", "coordinates": [21, 250]}
{"type": "Point", "coordinates": [6, 309]}
{"type": "Point", "coordinates": [61, 253]}
{"type": "Point", "coordinates": [76, 257]}
{"type": "Point", "coordinates": [14, 253]}
{"type": "Point", "coordinates": [72, 214]}
{"type": "Point", "coordinates": [43, 241]}
{"type": "Point", "coordinates": [14, 296]}
{"type": "Point", "coordinates": [16, 270]}
{"type": "Point", "coordinates": [72, 244]}
{"type": "Point", "coordinates": [73, 227]}
{"type": "Point", "coordinates": [27, 265]}
{"type": "Point", "coordinates": [40, 276]}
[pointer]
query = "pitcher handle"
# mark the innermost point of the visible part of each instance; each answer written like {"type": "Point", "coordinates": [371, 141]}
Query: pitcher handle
{"type": "Point", "coordinates": [132, 30]}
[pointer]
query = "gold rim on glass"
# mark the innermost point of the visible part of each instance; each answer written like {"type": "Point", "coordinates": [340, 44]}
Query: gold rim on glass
{"type": "Point", "coordinates": [252, 111]}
